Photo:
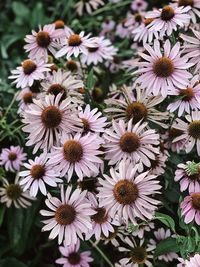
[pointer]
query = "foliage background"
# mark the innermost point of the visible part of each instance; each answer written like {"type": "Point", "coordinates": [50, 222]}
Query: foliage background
{"type": "Point", "coordinates": [21, 242]}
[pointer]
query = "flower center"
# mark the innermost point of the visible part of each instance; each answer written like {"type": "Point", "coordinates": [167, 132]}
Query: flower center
{"type": "Point", "coordinates": [28, 66]}
{"type": "Point", "coordinates": [194, 129]}
{"type": "Point", "coordinates": [148, 21]}
{"type": "Point", "coordinates": [86, 125]}
{"type": "Point", "coordinates": [185, 2]}
{"type": "Point", "coordinates": [37, 171]}
{"type": "Point", "coordinates": [167, 13]}
{"type": "Point", "coordinates": [125, 192]}
{"type": "Point", "coordinates": [129, 142]}
{"type": "Point", "coordinates": [73, 151]}
{"type": "Point", "coordinates": [138, 18]}
{"type": "Point", "coordinates": [74, 258]}
{"type": "Point", "coordinates": [136, 111]}
{"type": "Point", "coordinates": [88, 184]}
{"type": "Point", "coordinates": [71, 65]}
{"type": "Point", "coordinates": [101, 216]}
{"type": "Point", "coordinates": [59, 24]}
{"type": "Point", "coordinates": [117, 60]}
{"type": "Point", "coordinates": [51, 117]}
{"type": "Point", "coordinates": [92, 49]}
{"type": "Point", "coordinates": [173, 133]}
{"type": "Point", "coordinates": [28, 98]}
{"type": "Point", "coordinates": [138, 255]}
{"type": "Point", "coordinates": [43, 39]}
{"type": "Point", "coordinates": [65, 214]}
{"type": "Point", "coordinates": [35, 88]}
{"type": "Point", "coordinates": [196, 201]}
{"type": "Point", "coordinates": [163, 67]}
{"type": "Point", "coordinates": [74, 40]}
{"type": "Point", "coordinates": [13, 191]}
{"type": "Point", "coordinates": [187, 94]}
{"type": "Point", "coordinates": [56, 88]}
{"type": "Point", "coordinates": [12, 156]}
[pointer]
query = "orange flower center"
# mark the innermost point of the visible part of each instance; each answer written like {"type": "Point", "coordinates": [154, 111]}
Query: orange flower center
{"type": "Point", "coordinates": [43, 39]}
{"type": "Point", "coordinates": [73, 151]}
{"type": "Point", "coordinates": [129, 142]}
{"type": "Point", "coordinates": [37, 171]}
{"type": "Point", "coordinates": [28, 66]}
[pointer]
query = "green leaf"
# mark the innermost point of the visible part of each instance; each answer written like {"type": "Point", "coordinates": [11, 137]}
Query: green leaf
{"type": "Point", "coordinates": [90, 82]}
{"type": "Point", "coordinates": [2, 212]}
{"type": "Point", "coordinates": [166, 219]}
{"type": "Point", "coordinates": [20, 10]}
{"type": "Point", "coordinates": [165, 246]}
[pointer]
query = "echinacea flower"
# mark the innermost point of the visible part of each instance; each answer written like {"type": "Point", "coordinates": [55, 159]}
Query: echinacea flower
{"type": "Point", "coordinates": [190, 208]}
{"type": "Point", "coordinates": [103, 50]}
{"type": "Point", "coordinates": [139, 5]}
{"type": "Point", "coordinates": [12, 193]}
{"type": "Point", "coordinates": [129, 141]}
{"type": "Point", "coordinates": [88, 6]}
{"type": "Point", "coordinates": [194, 10]}
{"type": "Point", "coordinates": [122, 30]}
{"type": "Point", "coordinates": [193, 261]}
{"type": "Point", "coordinates": [70, 216]}
{"type": "Point", "coordinates": [25, 97]}
{"type": "Point", "coordinates": [29, 71]}
{"type": "Point", "coordinates": [139, 254]}
{"type": "Point", "coordinates": [190, 131]}
{"type": "Point", "coordinates": [192, 47]}
{"type": "Point", "coordinates": [165, 70]}
{"type": "Point", "coordinates": [142, 229]}
{"type": "Point", "coordinates": [107, 27]}
{"type": "Point", "coordinates": [101, 220]}
{"type": "Point", "coordinates": [127, 194]}
{"type": "Point", "coordinates": [63, 82]}
{"type": "Point", "coordinates": [170, 139]}
{"type": "Point", "coordinates": [162, 234]}
{"type": "Point", "coordinates": [79, 154]}
{"type": "Point", "coordinates": [75, 44]}
{"type": "Point", "coordinates": [187, 181]}
{"type": "Point", "coordinates": [71, 256]}
{"type": "Point", "coordinates": [12, 158]}
{"type": "Point", "coordinates": [42, 42]}
{"type": "Point", "coordinates": [158, 166]}
{"type": "Point", "coordinates": [38, 173]}
{"type": "Point", "coordinates": [92, 120]}
{"type": "Point", "coordinates": [138, 106]}
{"type": "Point", "coordinates": [168, 19]}
{"type": "Point", "coordinates": [189, 97]}
{"type": "Point", "coordinates": [47, 118]}
{"type": "Point", "coordinates": [182, 262]}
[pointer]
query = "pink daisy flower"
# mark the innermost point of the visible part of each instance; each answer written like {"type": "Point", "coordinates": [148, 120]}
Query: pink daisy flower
{"type": "Point", "coordinates": [168, 19]}
{"type": "Point", "coordinates": [12, 158]}
{"type": "Point", "coordinates": [12, 194]}
{"type": "Point", "coordinates": [139, 254]}
{"type": "Point", "coordinates": [29, 71]}
{"type": "Point", "coordinates": [122, 30]}
{"type": "Point", "coordinates": [190, 208]}
{"type": "Point", "coordinates": [70, 216]}
{"type": "Point", "coordinates": [47, 118]}
{"type": "Point", "coordinates": [192, 48]}
{"type": "Point", "coordinates": [162, 71]}
{"type": "Point", "coordinates": [170, 139]}
{"type": "Point", "coordinates": [139, 5]}
{"type": "Point", "coordinates": [128, 141]}
{"type": "Point", "coordinates": [103, 50]}
{"type": "Point", "coordinates": [193, 261]}
{"type": "Point", "coordinates": [158, 166]}
{"type": "Point", "coordinates": [142, 229]}
{"type": "Point", "coordinates": [25, 98]}
{"type": "Point", "coordinates": [75, 44]}
{"type": "Point", "coordinates": [127, 194]}
{"type": "Point", "coordinates": [79, 154]}
{"type": "Point", "coordinates": [73, 257]}
{"type": "Point", "coordinates": [88, 6]}
{"type": "Point", "coordinates": [194, 10]}
{"type": "Point", "coordinates": [38, 173]}
{"type": "Point", "coordinates": [63, 82]}
{"type": "Point", "coordinates": [60, 24]}
{"type": "Point", "coordinates": [182, 262]}
{"type": "Point", "coordinates": [92, 120]}
{"type": "Point", "coordinates": [189, 98]}
{"type": "Point", "coordinates": [143, 33]}
{"type": "Point", "coordinates": [107, 27]}
{"type": "Point", "coordinates": [160, 235]}
{"type": "Point", "coordinates": [187, 181]}
{"type": "Point", "coordinates": [191, 131]}
{"type": "Point", "coordinates": [101, 221]}
{"type": "Point", "coordinates": [42, 42]}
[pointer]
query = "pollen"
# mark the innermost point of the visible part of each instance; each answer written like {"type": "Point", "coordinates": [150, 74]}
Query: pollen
{"type": "Point", "coordinates": [28, 66]}
{"type": "Point", "coordinates": [136, 111]}
{"type": "Point", "coordinates": [74, 40]}
{"type": "Point", "coordinates": [65, 214]}
{"type": "Point", "coordinates": [43, 39]}
{"type": "Point", "coordinates": [51, 117]}
{"type": "Point", "coordinates": [129, 142]}
{"type": "Point", "coordinates": [73, 151]}
{"type": "Point", "coordinates": [194, 129]}
{"type": "Point", "coordinates": [37, 171]}
{"type": "Point", "coordinates": [163, 67]}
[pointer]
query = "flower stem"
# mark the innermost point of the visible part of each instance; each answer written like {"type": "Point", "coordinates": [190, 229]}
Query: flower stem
{"type": "Point", "coordinates": [101, 253]}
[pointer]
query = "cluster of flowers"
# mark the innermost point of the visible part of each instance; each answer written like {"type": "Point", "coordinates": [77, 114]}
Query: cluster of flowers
{"type": "Point", "coordinates": [108, 167]}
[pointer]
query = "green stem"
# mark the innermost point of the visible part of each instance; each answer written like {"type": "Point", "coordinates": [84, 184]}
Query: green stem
{"type": "Point", "coordinates": [101, 253]}
{"type": "Point", "coordinates": [10, 106]}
